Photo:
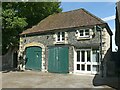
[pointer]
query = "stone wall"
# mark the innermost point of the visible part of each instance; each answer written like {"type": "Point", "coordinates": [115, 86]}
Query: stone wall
{"type": "Point", "coordinates": [107, 52]}
{"type": "Point", "coordinates": [48, 39]}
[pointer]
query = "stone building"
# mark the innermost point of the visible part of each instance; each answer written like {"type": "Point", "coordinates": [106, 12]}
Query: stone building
{"type": "Point", "coordinates": [68, 42]}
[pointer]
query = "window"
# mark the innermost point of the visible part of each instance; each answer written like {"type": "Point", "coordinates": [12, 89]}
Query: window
{"type": "Point", "coordinates": [87, 61]}
{"type": "Point", "coordinates": [60, 36]}
{"type": "Point", "coordinates": [95, 56]}
{"type": "Point", "coordinates": [84, 33]}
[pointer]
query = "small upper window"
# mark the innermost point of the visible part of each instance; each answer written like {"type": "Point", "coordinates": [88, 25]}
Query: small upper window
{"type": "Point", "coordinates": [84, 33]}
{"type": "Point", "coordinates": [60, 36]}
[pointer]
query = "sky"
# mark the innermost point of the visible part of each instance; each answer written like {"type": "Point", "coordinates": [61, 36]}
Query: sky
{"type": "Point", "coordinates": [103, 10]}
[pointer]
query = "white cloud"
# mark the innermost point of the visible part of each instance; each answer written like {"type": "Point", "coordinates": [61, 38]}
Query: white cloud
{"type": "Point", "coordinates": [109, 18]}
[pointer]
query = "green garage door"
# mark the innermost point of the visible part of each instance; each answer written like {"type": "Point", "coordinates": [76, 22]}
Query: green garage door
{"type": "Point", "coordinates": [34, 58]}
{"type": "Point", "coordinates": [58, 59]}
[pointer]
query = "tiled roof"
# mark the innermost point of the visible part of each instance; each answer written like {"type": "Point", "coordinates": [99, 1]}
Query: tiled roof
{"type": "Point", "coordinates": [75, 18]}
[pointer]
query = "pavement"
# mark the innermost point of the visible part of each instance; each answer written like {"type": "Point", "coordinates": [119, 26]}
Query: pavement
{"type": "Point", "coordinates": [36, 79]}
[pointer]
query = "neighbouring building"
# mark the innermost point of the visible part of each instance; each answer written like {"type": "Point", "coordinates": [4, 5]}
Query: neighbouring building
{"type": "Point", "coordinates": [117, 33]}
{"type": "Point", "coordinates": [68, 42]}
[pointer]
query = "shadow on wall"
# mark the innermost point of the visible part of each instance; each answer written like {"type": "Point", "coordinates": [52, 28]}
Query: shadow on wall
{"type": "Point", "coordinates": [111, 79]}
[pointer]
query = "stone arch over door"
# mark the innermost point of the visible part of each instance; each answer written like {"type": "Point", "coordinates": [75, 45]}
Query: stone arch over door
{"type": "Point", "coordinates": [43, 52]}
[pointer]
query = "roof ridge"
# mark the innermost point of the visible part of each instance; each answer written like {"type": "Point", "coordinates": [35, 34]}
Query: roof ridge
{"type": "Point", "coordinates": [65, 12]}
{"type": "Point", "coordinates": [72, 10]}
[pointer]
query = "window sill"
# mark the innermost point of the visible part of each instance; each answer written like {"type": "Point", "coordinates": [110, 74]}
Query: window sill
{"type": "Point", "coordinates": [83, 38]}
{"type": "Point", "coordinates": [60, 42]}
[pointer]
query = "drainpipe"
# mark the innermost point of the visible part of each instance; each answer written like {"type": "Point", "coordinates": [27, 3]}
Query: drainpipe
{"type": "Point", "coordinates": [98, 28]}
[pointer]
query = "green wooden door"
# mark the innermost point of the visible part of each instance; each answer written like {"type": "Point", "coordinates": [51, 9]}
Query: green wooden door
{"type": "Point", "coordinates": [58, 60]}
{"type": "Point", "coordinates": [34, 58]}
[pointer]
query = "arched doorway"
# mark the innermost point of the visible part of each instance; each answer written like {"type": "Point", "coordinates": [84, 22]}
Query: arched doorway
{"type": "Point", "coordinates": [33, 58]}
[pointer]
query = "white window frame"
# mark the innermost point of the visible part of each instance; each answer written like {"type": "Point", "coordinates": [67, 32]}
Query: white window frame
{"type": "Point", "coordinates": [84, 35]}
{"type": "Point", "coordinates": [86, 63]}
{"type": "Point", "coordinates": [77, 34]}
{"type": "Point", "coordinates": [60, 37]}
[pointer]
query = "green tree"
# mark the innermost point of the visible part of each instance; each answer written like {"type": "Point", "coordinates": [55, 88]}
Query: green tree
{"type": "Point", "coordinates": [36, 11]}
{"type": "Point", "coordinates": [12, 25]}
{"type": "Point", "coordinates": [18, 16]}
